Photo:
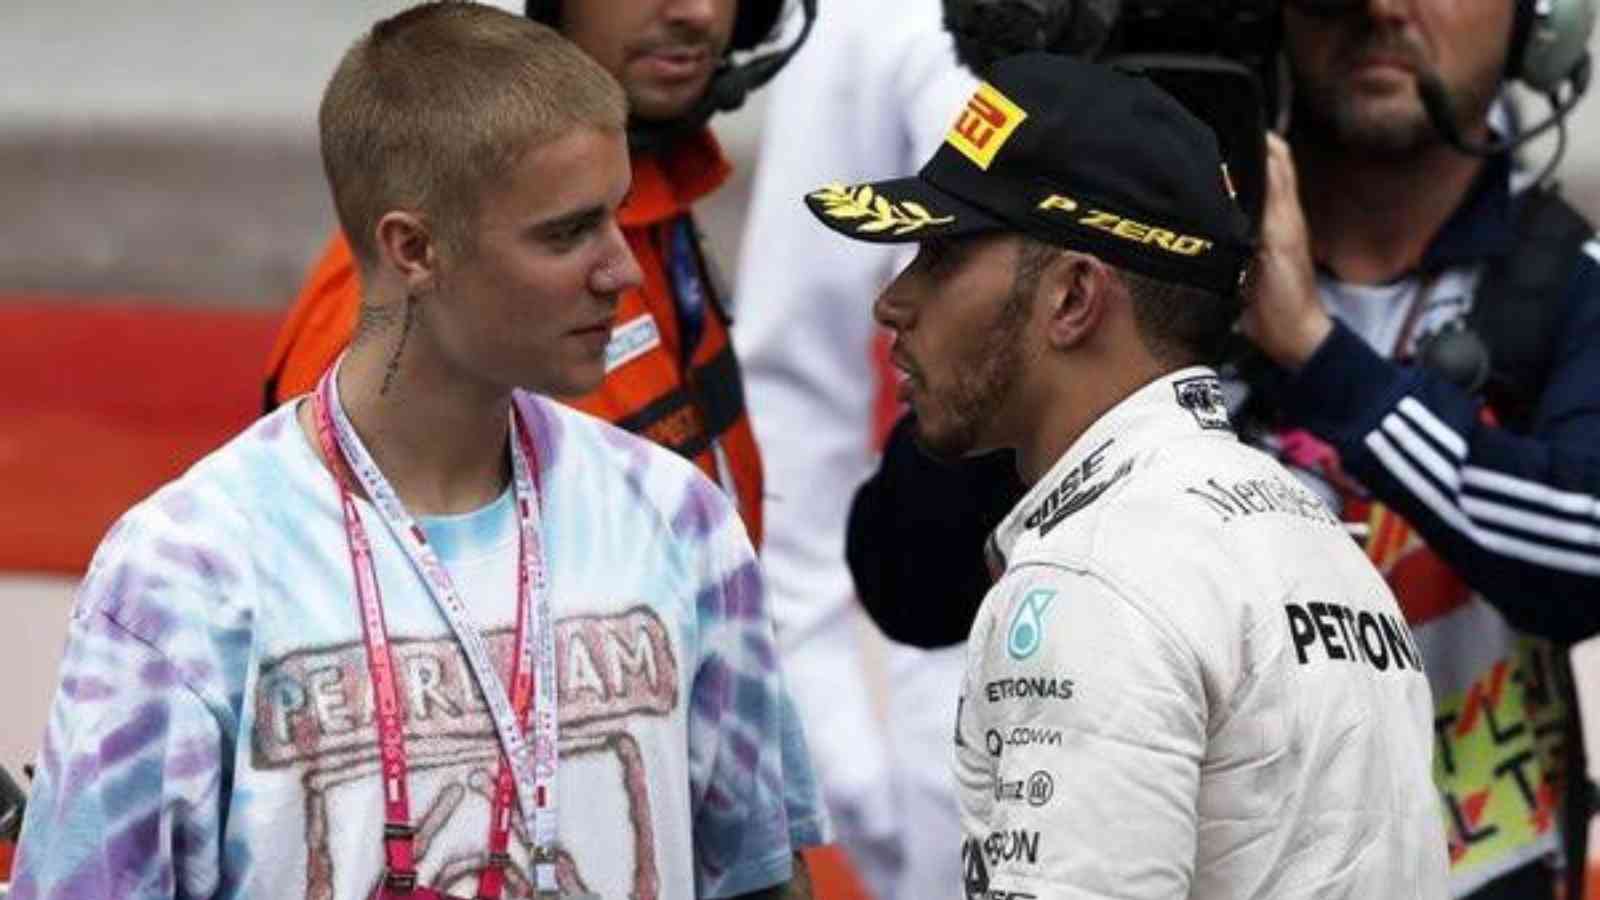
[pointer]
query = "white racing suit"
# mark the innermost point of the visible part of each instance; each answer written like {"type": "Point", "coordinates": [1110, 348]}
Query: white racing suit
{"type": "Point", "coordinates": [1190, 683]}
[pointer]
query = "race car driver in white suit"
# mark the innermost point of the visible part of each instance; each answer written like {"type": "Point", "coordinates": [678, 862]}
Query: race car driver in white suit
{"type": "Point", "coordinates": [1188, 681]}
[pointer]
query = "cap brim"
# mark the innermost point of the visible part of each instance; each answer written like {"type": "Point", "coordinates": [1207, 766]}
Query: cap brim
{"type": "Point", "coordinates": [899, 211]}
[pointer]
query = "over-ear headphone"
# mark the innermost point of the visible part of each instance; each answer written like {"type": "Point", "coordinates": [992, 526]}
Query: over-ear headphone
{"type": "Point", "coordinates": [753, 25]}
{"type": "Point", "coordinates": [1549, 42]}
{"type": "Point", "coordinates": [1549, 50]}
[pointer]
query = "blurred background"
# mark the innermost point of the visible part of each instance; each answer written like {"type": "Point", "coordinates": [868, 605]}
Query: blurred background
{"type": "Point", "coordinates": [160, 200]}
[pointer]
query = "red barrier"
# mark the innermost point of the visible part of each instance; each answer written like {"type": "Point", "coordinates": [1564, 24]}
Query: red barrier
{"type": "Point", "coordinates": [832, 876]}
{"type": "Point", "coordinates": [101, 402]}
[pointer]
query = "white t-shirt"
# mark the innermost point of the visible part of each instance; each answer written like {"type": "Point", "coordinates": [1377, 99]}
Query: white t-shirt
{"type": "Point", "coordinates": [213, 733]}
{"type": "Point", "coordinates": [1392, 317]}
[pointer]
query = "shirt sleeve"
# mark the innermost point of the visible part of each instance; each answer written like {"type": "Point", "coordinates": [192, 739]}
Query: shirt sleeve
{"type": "Point", "coordinates": [1081, 741]}
{"type": "Point", "coordinates": [1518, 516]}
{"type": "Point", "coordinates": [742, 728]}
{"type": "Point", "coordinates": [135, 766]}
{"type": "Point", "coordinates": [809, 825]}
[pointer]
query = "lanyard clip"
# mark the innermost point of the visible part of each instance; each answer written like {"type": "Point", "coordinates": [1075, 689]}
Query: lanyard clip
{"type": "Point", "coordinates": [400, 880]}
{"type": "Point", "coordinates": [400, 871]}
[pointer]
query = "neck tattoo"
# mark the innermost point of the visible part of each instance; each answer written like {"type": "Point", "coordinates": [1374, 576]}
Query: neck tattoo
{"type": "Point", "coordinates": [405, 332]}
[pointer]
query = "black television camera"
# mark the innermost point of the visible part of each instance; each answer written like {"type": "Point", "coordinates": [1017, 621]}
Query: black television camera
{"type": "Point", "coordinates": [1221, 59]}
{"type": "Point", "coordinates": [1218, 57]}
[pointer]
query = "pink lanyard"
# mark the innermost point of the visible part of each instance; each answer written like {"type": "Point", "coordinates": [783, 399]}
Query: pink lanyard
{"type": "Point", "coordinates": [345, 454]}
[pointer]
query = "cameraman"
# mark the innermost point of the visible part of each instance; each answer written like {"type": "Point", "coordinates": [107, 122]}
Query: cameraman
{"type": "Point", "coordinates": [1485, 525]}
{"type": "Point", "coordinates": [1480, 506]}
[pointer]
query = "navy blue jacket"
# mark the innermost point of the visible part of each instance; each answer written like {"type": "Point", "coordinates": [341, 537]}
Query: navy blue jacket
{"type": "Point", "coordinates": [1515, 513]}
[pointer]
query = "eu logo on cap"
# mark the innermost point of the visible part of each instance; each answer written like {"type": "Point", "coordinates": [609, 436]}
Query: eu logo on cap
{"type": "Point", "coordinates": [984, 125]}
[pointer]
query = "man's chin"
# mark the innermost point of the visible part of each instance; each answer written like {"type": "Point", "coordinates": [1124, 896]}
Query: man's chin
{"type": "Point", "coordinates": [946, 447]}
{"type": "Point", "coordinates": [1393, 137]}
{"type": "Point", "coordinates": [660, 104]}
{"type": "Point", "coordinates": [571, 385]}
{"type": "Point", "coordinates": [1392, 126]}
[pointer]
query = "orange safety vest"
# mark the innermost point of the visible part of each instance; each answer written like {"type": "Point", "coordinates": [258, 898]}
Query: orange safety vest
{"type": "Point", "coordinates": [695, 408]}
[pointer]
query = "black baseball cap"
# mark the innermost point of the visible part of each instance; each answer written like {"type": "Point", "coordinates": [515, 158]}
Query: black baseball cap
{"type": "Point", "coordinates": [1073, 153]}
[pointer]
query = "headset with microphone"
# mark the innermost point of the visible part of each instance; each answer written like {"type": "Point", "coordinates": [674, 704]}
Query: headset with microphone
{"type": "Point", "coordinates": [753, 25]}
{"type": "Point", "coordinates": [1549, 52]}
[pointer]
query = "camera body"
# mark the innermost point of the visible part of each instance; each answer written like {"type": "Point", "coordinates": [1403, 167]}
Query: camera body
{"type": "Point", "coordinates": [1220, 58]}
{"type": "Point", "coordinates": [1217, 57]}
{"type": "Point", "coordinates": [1246, 32]}
{"type": "Point", "coordinates": [1243, 31]}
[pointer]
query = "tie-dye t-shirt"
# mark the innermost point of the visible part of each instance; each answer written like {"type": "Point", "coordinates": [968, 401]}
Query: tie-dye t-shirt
{"type": "Point", "coordinates": [212, 735]}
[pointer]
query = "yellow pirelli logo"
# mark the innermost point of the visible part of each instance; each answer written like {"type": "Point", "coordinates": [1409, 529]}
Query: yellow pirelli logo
{"type": "Point", "coordinates": [1126, 228]}
{"type": "Point", "coordinates": [985, 124]}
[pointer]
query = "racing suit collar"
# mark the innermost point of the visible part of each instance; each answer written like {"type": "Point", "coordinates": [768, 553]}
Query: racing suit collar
{"type": "Point", "coordinates": [1178, 404]}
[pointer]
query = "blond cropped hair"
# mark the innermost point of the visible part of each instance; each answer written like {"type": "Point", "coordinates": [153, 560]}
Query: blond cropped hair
{"type": "Point", "coordinates": [437, 102]}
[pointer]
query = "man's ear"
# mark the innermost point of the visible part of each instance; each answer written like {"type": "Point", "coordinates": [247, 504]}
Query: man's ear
{"type": "Point", "coordinates": [1078, 287]}
{"type": "Point", "coordinates": [407, 247]}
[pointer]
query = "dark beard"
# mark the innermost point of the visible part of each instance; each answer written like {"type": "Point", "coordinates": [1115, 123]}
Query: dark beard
{"type": "Point", "coordinates": [975, 399]}
{"type": "Point", "coordinates": [1330, 119]}
{"type": "Point", "coordinates": [1324, 113]}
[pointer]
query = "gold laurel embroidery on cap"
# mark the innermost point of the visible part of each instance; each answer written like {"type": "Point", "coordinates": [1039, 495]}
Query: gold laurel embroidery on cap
{"type": "Point", "coordinates": [874, 213]}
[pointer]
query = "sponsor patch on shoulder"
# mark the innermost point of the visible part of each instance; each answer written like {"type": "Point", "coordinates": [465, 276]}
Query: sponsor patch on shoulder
{"type": "Point", "coordinates": [631, 340]}
{"type": "Point", "coordinates": [1065, 496]}
{"type": "Point", "coordinates": [1027, 623]}
{"type": "Point", "coordinates": [1075, 491]}
{"type": "Point", "coordinates": [1202, 397]}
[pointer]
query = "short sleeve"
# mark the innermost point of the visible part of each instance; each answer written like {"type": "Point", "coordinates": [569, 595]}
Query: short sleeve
{"type": "Point", "coordinates": [739, 722]}
{"type": "Point", "coordinates": [135, 764]}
